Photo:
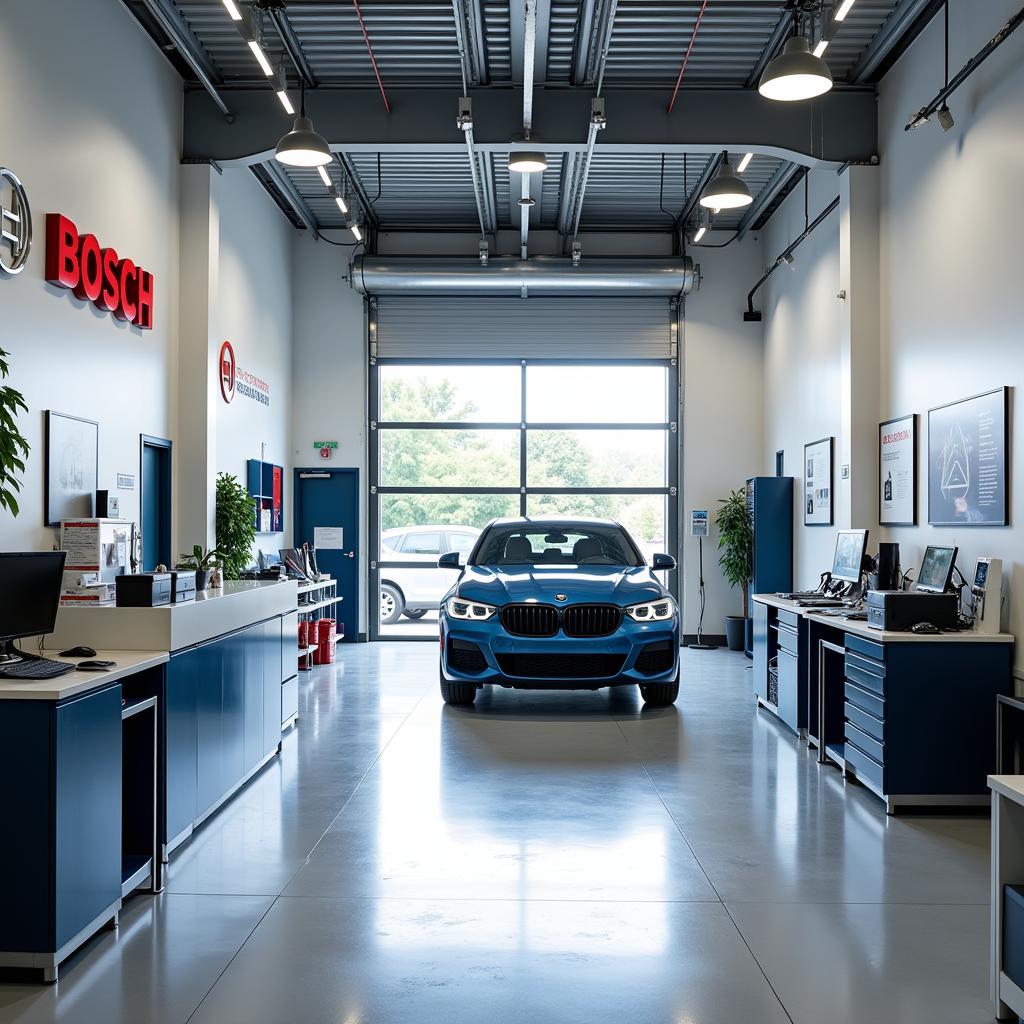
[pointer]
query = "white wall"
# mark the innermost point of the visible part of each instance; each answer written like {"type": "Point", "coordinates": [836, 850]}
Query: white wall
{"type": "Point", "coordinates": [254, 313]}
{"type": "Point", "coordinates": [108, 159]}
{"type": "Point", "coordinates": [802, 356]}
{"type": "Point", "coordinates": [952, 221]}
{"type": "Point", "coordinates": [722, 402]}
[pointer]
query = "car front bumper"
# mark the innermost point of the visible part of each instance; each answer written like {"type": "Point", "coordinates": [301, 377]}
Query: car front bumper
{"type": "Point", "coordinates": [637, 652]}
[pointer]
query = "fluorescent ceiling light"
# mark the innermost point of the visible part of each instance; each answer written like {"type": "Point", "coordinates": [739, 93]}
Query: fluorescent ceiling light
{"type": "Point", "coordinates": [261, 58]}
{"type": "Point", "coordinates": [342, 205]}
{"type": "Point", "coordinates": [745, 162]}
{"type": "Point", "coordinates": [527, 163]}
{"type": "Point", "coordinates": [843, 10]}
{"type": "Point", "coordinates": [233, 11]}
{"type": "Point", "coordinates": [302, 147]}
{"type": "Point", "coordinates": [701, 231]}
{"type": "Point", "coordinates": [821, 47]}
{"type": "Point", "coordinates": [355, 231]}
{"type": "Point", "coordinates": [796, 74]}
{"type": "Point", "coordinates": [726, 191]}
{"type": "Point", "coordinates": [324, 176]}
{"type": "Point", "coordinates": [285, 102]}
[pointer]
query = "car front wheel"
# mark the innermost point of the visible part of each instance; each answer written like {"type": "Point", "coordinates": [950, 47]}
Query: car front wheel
{"type": "Point", "coordinates": [391, 604]}
{"type": "Point", "coordinates": [660, 695]}
{"type": "Point", "coordinates": [457, 693]}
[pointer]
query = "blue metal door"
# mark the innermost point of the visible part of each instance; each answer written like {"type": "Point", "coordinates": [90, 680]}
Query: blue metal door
{"type": "Point", "coordinates": [329, 499]}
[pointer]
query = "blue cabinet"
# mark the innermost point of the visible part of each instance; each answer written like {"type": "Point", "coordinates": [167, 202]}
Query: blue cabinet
{"type": "Point", "coordinates": [180, 742]}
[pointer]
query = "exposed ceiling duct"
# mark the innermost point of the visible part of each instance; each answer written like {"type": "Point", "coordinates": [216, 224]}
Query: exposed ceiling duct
{"type": "Point", "coordinates": [440, 275]}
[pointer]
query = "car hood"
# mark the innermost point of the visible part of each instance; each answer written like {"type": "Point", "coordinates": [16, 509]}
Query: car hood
{"type": "Point", "coordinates": [602, 584]}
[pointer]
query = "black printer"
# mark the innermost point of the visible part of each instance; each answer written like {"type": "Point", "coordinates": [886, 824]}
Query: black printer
{"type": "Point", "coordinates": [898, 610]}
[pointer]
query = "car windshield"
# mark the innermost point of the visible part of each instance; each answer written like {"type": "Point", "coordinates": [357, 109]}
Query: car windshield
{"type": "Point", "coordinates": [557, 544]}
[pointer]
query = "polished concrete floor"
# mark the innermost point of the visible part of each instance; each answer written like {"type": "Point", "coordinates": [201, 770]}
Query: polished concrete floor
{"type": "Point", "coordinates": [544, 857]}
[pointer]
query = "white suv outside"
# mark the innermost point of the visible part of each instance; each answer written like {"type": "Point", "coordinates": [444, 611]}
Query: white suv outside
{"type": "Point", "coordinates": [411, 591]}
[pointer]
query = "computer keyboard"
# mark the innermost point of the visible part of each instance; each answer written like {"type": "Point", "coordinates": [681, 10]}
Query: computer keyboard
{"type": "Point", "coordinates": [796, 595]}
{"type": "Point", "coordinates": [35, 668]}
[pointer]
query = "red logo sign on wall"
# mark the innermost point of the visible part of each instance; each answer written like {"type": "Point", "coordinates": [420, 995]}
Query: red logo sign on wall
{"type": "Point", "coordinates": [77, 262]}
{"type": "Point", "coordinates": [228, 367]}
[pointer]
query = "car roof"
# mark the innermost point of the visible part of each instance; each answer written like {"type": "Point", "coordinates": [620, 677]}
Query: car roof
{"type": "Point", "coordinates": [554, 521]}
{"type": "Point", "coordinates": [431, 529]}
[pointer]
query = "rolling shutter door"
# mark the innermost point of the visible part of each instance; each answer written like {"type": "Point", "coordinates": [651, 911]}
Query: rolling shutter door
{"type": "Point", "coordinates": [550, 328]}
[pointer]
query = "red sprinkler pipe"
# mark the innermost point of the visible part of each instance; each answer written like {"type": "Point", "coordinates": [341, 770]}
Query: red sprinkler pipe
{"type": "Point", "coordinates": [373, 60]}
{"type": "Point", "coordinates": [682, 70]}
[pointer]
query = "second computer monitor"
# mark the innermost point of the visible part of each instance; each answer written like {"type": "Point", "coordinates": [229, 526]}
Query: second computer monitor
{"type": "Point", "coordinates": [936, 569]}
{"type": "Point", "coordinates": [849, 557]}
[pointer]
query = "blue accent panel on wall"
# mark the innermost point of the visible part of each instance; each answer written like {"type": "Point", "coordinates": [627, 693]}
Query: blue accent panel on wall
{"type": "Point", "coordinates": [87, 746]}
{"type": "Point", "coordinates": [26, 865]}
{"type": "Point", "coordinates": [770, 500]}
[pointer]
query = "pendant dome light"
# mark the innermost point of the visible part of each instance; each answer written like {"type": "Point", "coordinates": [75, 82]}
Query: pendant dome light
{"type": "Point", "coordinates": [726, 191]}
{"type": "Point", "coordinates": [796, 74]}
{"type": "Point", "coordinates": [302, 147]}
{"type": "Point", "coordinates": [527, 162]}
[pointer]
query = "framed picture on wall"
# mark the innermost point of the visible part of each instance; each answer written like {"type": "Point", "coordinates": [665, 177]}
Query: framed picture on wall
{"type": "Point", "coordinates": [897, 471]}
{"type": "Point", "coordinates": [967, 445]}
{"type": "Point", "coordinates": [72, 461]}
{"type": "Point", "coordinates": [817, 496]}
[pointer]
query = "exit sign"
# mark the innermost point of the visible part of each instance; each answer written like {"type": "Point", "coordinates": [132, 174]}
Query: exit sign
{"type": "Point", "coordinates": [325, 444]}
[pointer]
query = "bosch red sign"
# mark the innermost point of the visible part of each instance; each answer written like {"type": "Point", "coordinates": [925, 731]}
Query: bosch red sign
{"type": "Point", "coordinates": [77, 262]}
{"type": "Point", "coordinates": [228, 367]}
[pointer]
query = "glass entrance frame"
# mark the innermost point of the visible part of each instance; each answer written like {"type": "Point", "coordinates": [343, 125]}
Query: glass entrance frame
{"type": "Point", "coordinates": [507, 474]}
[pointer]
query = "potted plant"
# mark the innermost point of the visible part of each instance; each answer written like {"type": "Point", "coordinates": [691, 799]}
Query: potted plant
{"type": "Point", "coordinates": [236, 526]}
{"type": "Point", "coordinates": [203, 562]}
{"type": "Point", "coordinates": [13, 446]}
{"type": "Point", "coordinates": [736, 542]}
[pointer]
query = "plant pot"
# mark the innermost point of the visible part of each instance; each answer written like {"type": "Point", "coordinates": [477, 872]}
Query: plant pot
{"type": "Point", "coordinates": [202, 579]}
{"type": "Point", "coordinates": [735, 632]}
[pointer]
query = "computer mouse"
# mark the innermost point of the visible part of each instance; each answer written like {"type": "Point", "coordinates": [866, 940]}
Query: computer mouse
{"type": "Point", "coordinates": [925, 627]}
{"type": "Point", "coordinates": [78, 652]}
{"type": "Point", "coordinates": [95, 666]}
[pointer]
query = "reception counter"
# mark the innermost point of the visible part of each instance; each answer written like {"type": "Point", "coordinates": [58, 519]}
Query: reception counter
{"type": "Point", "coordinates": [217, 677]}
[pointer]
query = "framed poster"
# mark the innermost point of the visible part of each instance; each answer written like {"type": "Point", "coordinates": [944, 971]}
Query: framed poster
{"type": "Point", "coordinates": [72, 461]}
{"type": "Point", "coordinates": [897, 471]}
{"type": "Point", "coordinates": [967, 442]}
{"type": "Point", "coordinates": [818, 483]}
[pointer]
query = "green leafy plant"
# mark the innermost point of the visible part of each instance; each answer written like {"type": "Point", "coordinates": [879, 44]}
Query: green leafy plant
{"type": "Point", "coordinates": [736, 542]}
{"type": "Point", "coordinates": [201, 560]}
{"type": "Point", "coordinates": [236, 525]}
{"type": "Point", "coordinates": [13, 446]}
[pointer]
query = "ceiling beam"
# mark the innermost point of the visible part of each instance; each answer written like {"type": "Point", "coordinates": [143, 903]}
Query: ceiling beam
{"type": "Point", "coordinates": [764, 199]}
{"type": "Point", "coordinates": [292, 46]}
{"type": "Point", "coordinates": [475, 41]}
{"type": "Point", "coordinates": [890, 36]}
{"type": "Point", "coordinates": [845, 123]}
{"type": "Point", "coordinates": [291, 193]}
{"type": "Point", "coordinates": [357, 186]}
{"type": "Point", "coordinates": [582, 41]}
{"type": "Point", "coordinates": [177, 30]}
{"type": "Point", "coordinates": [710, 168]}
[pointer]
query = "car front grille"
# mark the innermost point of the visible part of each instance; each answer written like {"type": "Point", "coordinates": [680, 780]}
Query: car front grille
{"type": "Point", "coordinates": [530, 619]}
{"type": "Point", "coordinates": [591, 619]}
{"type": "Point", "coordinates": [561, 666]}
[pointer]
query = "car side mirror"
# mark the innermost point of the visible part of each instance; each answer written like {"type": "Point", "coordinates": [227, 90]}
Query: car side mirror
{"type": "Point", "coordinates": [449, 561]}
{"type": "Point", "coordinates": [659, 562]}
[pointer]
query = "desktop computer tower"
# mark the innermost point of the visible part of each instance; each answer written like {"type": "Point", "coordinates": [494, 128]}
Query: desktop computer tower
{"type": "Point", "coordinates": [770, 503]}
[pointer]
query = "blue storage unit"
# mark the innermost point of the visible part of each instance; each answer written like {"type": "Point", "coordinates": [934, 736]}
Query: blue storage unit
{"type": "Point", "coordinates": [265, 484]}
{"type": "Point", "coordinates": [770, 503]}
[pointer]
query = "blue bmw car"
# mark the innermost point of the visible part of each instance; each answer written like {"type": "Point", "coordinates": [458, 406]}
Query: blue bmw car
{"type": "Point", "coordinates": [555, 604]}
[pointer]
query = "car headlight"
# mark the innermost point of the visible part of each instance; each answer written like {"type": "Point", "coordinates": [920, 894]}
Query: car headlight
{"type": "Point", "coordinates": [653, 611]}
{"type": "Point", "coordinates": [459, 608]}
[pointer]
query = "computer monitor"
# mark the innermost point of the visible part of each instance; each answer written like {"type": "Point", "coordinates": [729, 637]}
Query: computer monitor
{"type": "Point", "coordinates": [30, 584]}
{"type": "Point", "coordinates": [936, 569]}
{"type": "Point", "coordinates": [849, 556]}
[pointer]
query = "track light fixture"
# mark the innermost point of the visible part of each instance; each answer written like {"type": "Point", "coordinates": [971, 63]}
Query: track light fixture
{"type": "Point", "coordinates": [745, 162]}
{"type": "Point", "coordinates": [726, 191]}
{"type": "Point", "coordinates": [357, 232]}
{"type": "Point", "coordinates": [527, 162]}
{"type": "Point", "coordinates": [324, 176]}
{"type": "Point", "coordinates": [843, 10]}
{"type": "Point", "coordinates": [702, 230]}
{"type": "Point", "coordinates": [233, 12]}
{"type": "Point", "coordinates": [340, 200]}
{"type": "Point", "coordinates": [796, 74]}
{"type": "Point", "coordinates": [945, 118]}
{"type": "Point", "coordinates": [302, 147]}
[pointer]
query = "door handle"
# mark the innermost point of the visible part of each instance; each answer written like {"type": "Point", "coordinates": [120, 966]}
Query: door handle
{"type": "Point", "coordinates": [350, 554]}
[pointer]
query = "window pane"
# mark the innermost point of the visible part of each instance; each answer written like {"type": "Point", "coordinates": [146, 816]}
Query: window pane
{"type": "Point", "coordinates": [643, 515]}
{"type": "Point", "coordinates": [462, 514]}
{"type": "Point", "coordinates": [470, 394]}
{"type": "Point", "coordinates": [596, 458]}
{"type": "Point", "coordinates": [596, 394]}
{"type": "Point", "coordinates": [461, 542]}
{"type": "Point", "coordinates": [419, 543]}
{"type": "Point", "coordinates": [449, 458]}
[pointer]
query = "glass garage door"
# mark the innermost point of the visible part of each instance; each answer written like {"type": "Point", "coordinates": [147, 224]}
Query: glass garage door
{"type": "Point", "coordinates": [456, 444]}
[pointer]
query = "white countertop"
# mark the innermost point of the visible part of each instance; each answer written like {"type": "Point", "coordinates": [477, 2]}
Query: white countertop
{"type": "Point", "coordinates": [127, 663]}
{"type": "Point", "coordinates": [173, 627]}
{"type": "Point", "coordinates": [1010, 786]}
{"type": "Point", "coordinates": [859, 627]}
